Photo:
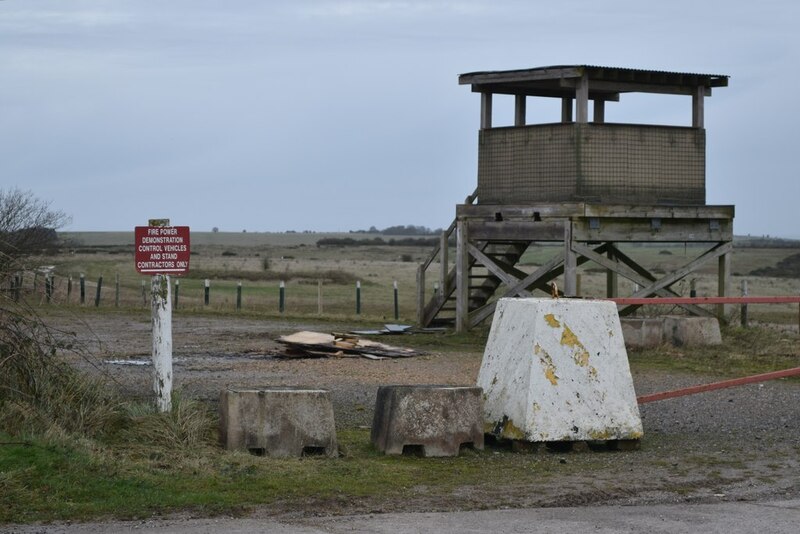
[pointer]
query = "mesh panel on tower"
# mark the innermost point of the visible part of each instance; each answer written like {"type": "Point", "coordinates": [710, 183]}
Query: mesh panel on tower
{"type": "Point", "coordinates": [605, 163]}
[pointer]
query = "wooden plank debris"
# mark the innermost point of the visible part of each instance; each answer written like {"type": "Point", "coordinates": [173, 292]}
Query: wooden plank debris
{"type": "Point", "coordinates": [307, 344]}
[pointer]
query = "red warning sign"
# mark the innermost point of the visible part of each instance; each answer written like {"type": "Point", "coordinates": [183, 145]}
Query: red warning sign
{"type": "Point", "coordinates": [162, 249]}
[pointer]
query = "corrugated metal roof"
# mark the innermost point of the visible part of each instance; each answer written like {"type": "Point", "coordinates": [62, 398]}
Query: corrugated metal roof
{"type": "Point", "coordinates": [599, 68]}
{"type": "Point", "coordinates": [604, 82]}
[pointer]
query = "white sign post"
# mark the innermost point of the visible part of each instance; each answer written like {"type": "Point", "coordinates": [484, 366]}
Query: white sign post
{"type": "Point", "coordinates": [161, 306]}
{"type": "Point", "coordinates": [162, 249]}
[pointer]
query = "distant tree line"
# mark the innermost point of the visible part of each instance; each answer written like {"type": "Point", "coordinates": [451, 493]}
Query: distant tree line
{"type": "Point", "coordinates": [400, 230]}
{"type": "Point", "coordinates": [378, 241]}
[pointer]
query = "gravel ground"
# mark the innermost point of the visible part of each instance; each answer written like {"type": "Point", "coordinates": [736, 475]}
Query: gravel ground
{"type": "Point", "coordinates": [735, 444]}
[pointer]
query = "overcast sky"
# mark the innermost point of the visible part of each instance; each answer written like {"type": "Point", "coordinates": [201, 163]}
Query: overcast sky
{"type": "Point", "coordinates": [338, 115]}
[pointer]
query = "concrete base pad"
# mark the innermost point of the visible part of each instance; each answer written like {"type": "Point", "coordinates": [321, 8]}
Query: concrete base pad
{"type": "Point", "coordinates": [278, 421]}
{"type": "Point", "coordinates": [431, 420]}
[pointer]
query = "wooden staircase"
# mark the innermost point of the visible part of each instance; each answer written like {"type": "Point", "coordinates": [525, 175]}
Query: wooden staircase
{"type": "Point", "coordinates": [440, 310]}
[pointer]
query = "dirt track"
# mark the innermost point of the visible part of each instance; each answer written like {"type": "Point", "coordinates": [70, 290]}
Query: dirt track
{"type": "Point", "coordinates": [734, 444]}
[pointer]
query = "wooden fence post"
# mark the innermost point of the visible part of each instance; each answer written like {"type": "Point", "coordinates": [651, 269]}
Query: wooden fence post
{"type": "Point", "coordinates": [358, 297]}
{"type": "Point", "coordinates": [319, 296]}
{"type": "Point", "coordinates": [177, 290]}
{"type": "Point", "coordinates": [83, 289]}
{"type": "Point", "coordinates": [282, 297]}
{"type": "Point", "coordinates": [97, 293]}
{"type": "Point", "coordinates": [48, 287]}
{"type": "Point", "coordinates": [744, 304]}
{"type": "Point", "coordinates": [239, 296]}
{"type": "Point", "coordinates": [69, 288]}
{"type": "Point", "coordinates": [396, 302]}
{"type": "Point", "coordinates": [206, 291]}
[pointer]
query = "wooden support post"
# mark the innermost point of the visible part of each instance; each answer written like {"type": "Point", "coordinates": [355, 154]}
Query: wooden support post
{"type": "Point", "coordinates": [744, 305]}
{"type": "Point", "coordinates": [69, 288]}
{"type": "Point", "coordinates": [570, 262]}
{"type": "Point", "coordinates": [48, 287]}
{"type": "Point", "coordinates": [177, 292]}
{"type": "Point", "coordinates": [443, 259]}
{"type": "Point", "coordinates": [462, 276]}
{"type": "Point", "coordinates": [421, 294]}
{"type": "Point", "coordinates": [566, 110]}
{"type": "Point", "coordinates": [206, 291]}
{"type": "Point", "coordinates": [97, 293]}
{"type": "Point", "coordinates": [724, 285]}
{"type": "Point", "coordinates": [396, 302]}
{"type": "Point", "coordinates": [358, 293]}
{"type": "Point", "coordinates": [239, 296]}
{"type": "Point", "coordinates": [486, 111]}
{"type": "Point", "coordinates": [282, 297]}
{"type": "Point", "coordinates": [161, 312]}
{"type": "Point", "coordinates": [698, 98]}
{"type": "Point", "coordinates": [161, 304]}
{"type": "Point", "coordinates": [582, 100]}
{"type": "Point", "coordinates": [612, 279]}
{"type": "Point", "coordinates": [519, 110]}
{"type": "Point", "coordinates": [599, 111]}
{"type": "Point", "coordinates": [83, 288]}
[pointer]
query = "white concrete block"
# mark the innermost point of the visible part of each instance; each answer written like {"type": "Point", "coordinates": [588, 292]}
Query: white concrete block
{"type": "Point", "coordinates": [557, 370]}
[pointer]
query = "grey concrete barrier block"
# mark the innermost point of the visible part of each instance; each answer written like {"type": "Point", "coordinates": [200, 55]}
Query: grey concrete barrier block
{"type": "Point", "coordinates": [432, 420]}
{"type": "Point", "coordinates": [277, 421]}
{"type": "Point", "coordinates": [692, 331]}
{"type": "Point", "coordinates": [642, 332]}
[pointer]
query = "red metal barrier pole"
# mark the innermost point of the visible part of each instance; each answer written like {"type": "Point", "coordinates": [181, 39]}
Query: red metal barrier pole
{"type": "Point", "coordinates": [718, 385]}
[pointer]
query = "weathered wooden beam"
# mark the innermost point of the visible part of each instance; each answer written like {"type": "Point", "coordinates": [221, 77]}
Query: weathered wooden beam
{"type": "Point", "coordinates": [723, 284]}
{"type": "Point", "coordinates": [566, 109]}
{"type": "Point", "coordinates": [641, 230]}
{"type": "Point", "coordinates": [519, 110]}
{"type": "Point", "coordinates": [517, 230]}
{"type": "Point", "coordinates": [662, 212]}
{"type": "Point", "coordinates": [582, 100]}
{"type": "Point", "coordinates": [599, 111]}
{"type": "Point", "coordinates": [612, 280]}
{"type": "Point", "coordinates": [486, 111]}
{"type": "Point", "coordinates": [630, 270]}
{"type": "Point", "coordinates": [420, 295]}
{"type": "Point", "coordinates": [570, 262]}
{"type": "Point", "coordinates": [509, 211]}
{"type": "Point", "coordinates": [698, 97]}
{"type": "Point", "coordinates": [496, 269]}
{"type": "Point", "coordinates": [666, 281]}
{"type": "Point", "coordinates": [443, 260]}
{"type": "Point", "coordinates": [462, 276]}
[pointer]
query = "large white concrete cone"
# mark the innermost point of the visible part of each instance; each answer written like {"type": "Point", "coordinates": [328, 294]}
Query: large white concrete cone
{"type": "Point", "coordinates": [557, 370]}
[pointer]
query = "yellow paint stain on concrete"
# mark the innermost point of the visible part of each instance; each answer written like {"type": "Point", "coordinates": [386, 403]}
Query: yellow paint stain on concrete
{"type": "Point", "coordinates": [549, 367]}
{"type": "Point", "coordinates": [551, 320]}
{"type": "Point", "coordinates": [512, 431]}
{"type": "Point", "coordinates": [569, 339]}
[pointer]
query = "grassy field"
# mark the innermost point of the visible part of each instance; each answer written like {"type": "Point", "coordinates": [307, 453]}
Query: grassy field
{"type": "Point", "coordinates": [326, 276]}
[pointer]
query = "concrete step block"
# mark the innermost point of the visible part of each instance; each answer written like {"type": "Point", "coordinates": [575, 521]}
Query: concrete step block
{"type": "Point", "coordinates": [278, 421]}
{"type": "Point", "coordinates": [431, 420]}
